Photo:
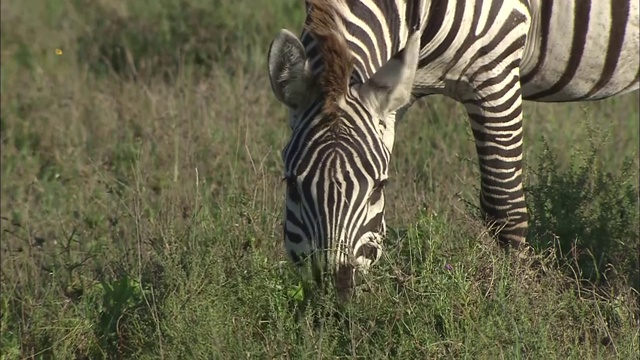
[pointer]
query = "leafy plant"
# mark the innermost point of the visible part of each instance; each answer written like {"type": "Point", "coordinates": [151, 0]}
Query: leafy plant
{"type": "Point", "coordinates": [590, 216]}
{"type": "Point", "coordinates": [120, 297]}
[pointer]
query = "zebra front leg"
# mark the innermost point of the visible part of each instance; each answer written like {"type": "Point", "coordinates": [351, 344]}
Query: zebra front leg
{"type": "Point", "coordinates": [496, 121]}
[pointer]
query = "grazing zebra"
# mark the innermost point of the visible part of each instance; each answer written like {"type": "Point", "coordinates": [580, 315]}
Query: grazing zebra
{"type": "Point", "coordinates": [358, 66]}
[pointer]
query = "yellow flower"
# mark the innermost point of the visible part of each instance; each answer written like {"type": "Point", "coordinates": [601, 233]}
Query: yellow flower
{"type": "Point", "coordinates": [58, 52]}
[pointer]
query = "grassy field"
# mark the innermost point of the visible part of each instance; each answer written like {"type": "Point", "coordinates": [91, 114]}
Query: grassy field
{"type": "Point", "coordinates": [142, 206]}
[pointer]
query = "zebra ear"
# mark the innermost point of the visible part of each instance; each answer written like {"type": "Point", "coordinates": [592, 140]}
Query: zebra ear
{"type": "Point", "coordinates": [390, 87]}
{"type": "Point", "coordinates": [289, 71]}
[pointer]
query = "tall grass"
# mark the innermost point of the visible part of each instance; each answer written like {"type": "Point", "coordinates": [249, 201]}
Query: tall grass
{"type": "Point", "coordinates": [142, 206]}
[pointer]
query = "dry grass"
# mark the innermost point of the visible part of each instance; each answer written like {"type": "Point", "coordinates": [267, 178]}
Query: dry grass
{"type": "Point", "coordinates": [142, 212]}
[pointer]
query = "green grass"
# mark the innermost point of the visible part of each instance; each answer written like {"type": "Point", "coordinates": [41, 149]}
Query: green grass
{"type": "Point", "coordinates": [142, 206]}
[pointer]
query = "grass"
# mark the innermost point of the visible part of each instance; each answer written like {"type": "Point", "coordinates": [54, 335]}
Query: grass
{"type": "Point", "coordinates": [142, 206]}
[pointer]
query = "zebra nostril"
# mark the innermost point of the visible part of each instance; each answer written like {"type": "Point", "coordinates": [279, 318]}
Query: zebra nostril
{"type": "Point", "coordinates": [368, 251]}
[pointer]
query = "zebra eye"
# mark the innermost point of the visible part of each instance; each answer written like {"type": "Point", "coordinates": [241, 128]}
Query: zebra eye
{"type": "Point", "coordinates": [377, 192]}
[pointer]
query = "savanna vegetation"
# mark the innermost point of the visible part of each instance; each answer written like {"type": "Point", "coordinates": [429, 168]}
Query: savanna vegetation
{"type": "Point", "coordinates": [142, 201]}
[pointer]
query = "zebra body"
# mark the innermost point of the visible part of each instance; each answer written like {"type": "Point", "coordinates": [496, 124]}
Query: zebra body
{"type": "Point", "coordinates": [358, 66]}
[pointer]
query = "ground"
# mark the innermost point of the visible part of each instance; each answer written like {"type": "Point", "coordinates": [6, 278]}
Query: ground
{"type": "Point", "coordinates": [142, 206]}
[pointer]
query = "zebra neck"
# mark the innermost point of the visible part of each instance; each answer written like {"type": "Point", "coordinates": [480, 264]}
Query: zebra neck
{"type": "Point", "coordinates": [375, 31]}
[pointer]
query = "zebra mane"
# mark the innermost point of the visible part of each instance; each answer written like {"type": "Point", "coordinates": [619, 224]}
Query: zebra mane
{"type": "Point", "coordinates": [325, 24]}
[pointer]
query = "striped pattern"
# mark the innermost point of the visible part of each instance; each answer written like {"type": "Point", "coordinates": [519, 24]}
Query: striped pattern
{"type": "Point", "coordinates": [581, 50]}
{"type": "Point", "coordinates": [336, 177]}
{"type": "Point", "coordinates": [488, 55]}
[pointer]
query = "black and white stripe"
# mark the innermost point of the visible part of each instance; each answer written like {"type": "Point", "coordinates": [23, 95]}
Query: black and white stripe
{"type": "Point", "coordinates": [489, 55]}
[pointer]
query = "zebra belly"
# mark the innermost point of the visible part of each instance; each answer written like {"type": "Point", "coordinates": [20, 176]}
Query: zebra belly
{"type": "Point", "coordinates": [581, 50]}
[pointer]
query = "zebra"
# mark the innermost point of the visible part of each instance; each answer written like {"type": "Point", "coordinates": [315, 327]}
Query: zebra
{"type": "Point", "coordinates": [358, 66]}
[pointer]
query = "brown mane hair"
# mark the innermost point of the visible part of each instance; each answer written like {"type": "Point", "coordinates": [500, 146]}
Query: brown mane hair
{"type": "Point", "coordinates": [325, 24]}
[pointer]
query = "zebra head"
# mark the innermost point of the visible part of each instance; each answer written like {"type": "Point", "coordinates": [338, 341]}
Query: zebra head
{"type": "Point", "coordinates": [336, 161]}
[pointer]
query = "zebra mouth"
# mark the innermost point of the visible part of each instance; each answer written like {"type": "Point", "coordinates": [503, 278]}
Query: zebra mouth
{"type": "Point", "coordinates": [345, 281]}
